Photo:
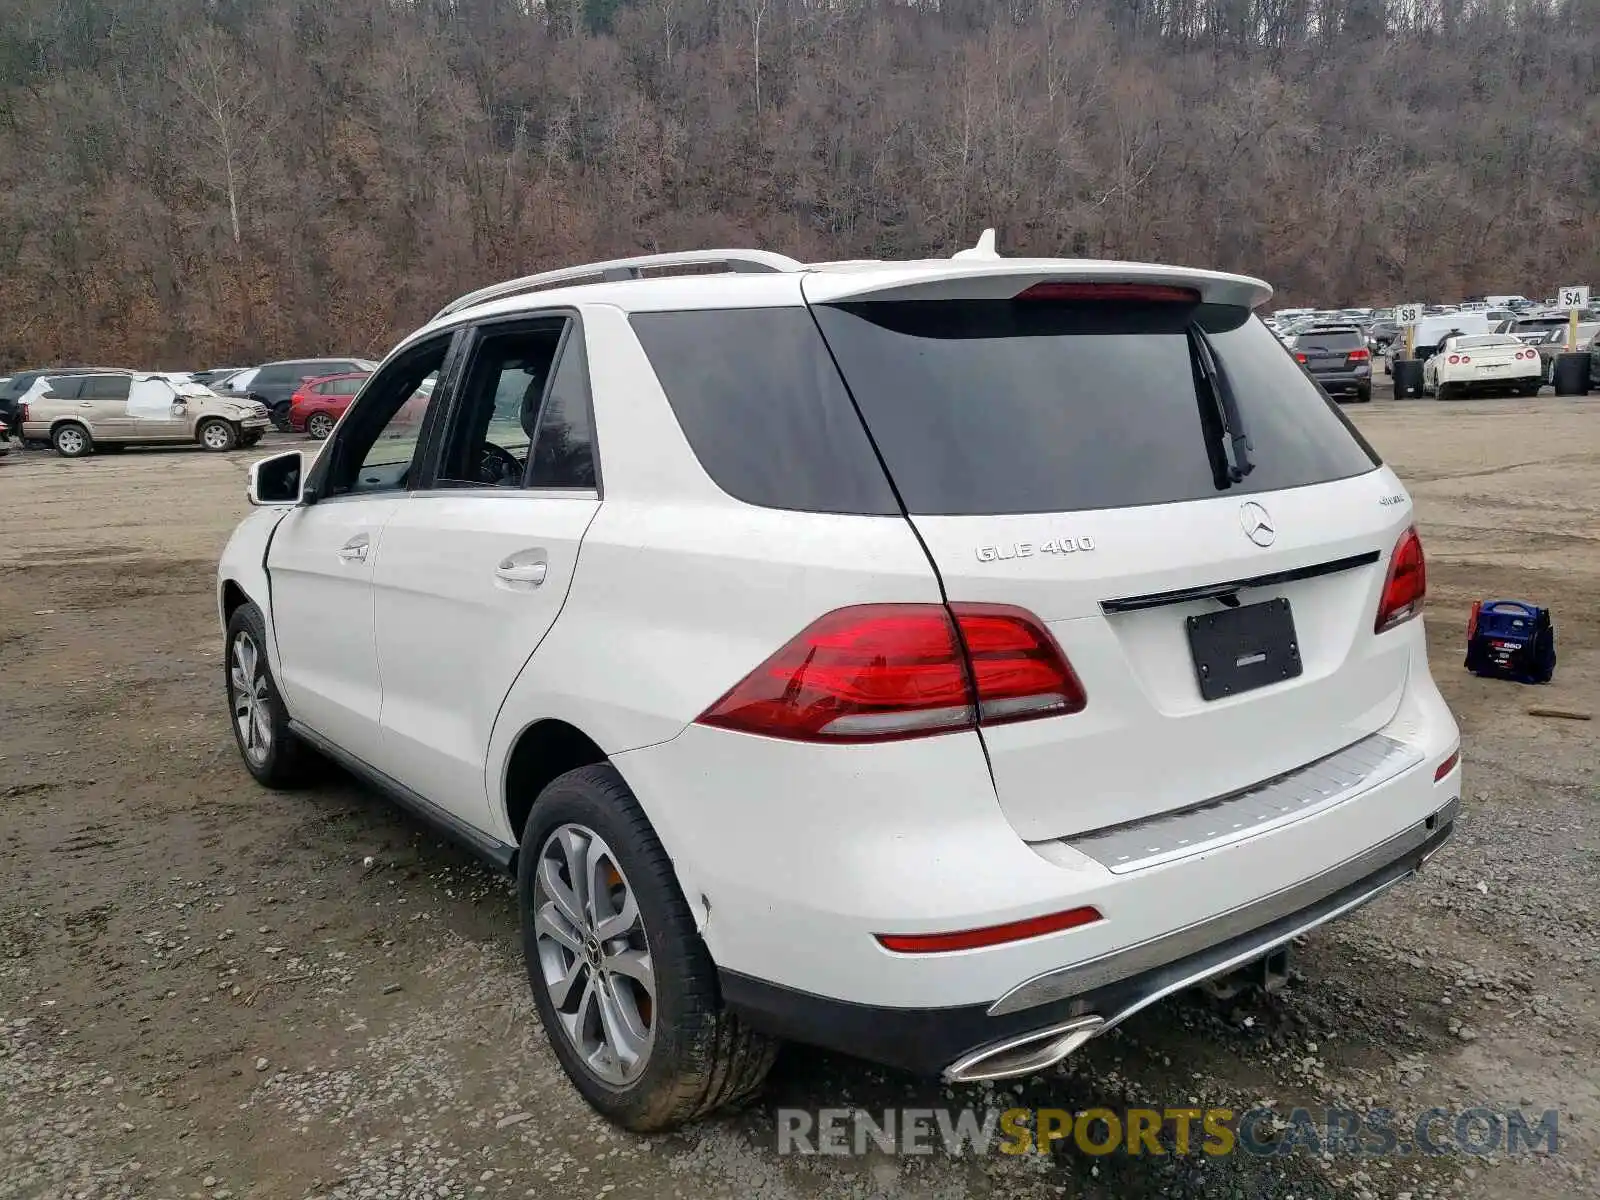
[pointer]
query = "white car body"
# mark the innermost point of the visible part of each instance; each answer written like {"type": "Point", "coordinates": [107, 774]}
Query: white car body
{"type": "Point", "coordinates": [1204, 833]}
{"type": "Point", "coordinates": [1483, 363]}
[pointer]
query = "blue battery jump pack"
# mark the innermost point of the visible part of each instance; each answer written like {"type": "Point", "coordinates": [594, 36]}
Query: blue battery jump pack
{"type": "Point", "coordinates": [1510, 639]}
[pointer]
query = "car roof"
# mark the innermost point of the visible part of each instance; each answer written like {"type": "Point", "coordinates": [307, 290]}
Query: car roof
{"type": "Point", "coordinates": [751, 279]}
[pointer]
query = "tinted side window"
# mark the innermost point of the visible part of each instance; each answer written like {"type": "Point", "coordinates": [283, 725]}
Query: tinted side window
{"type": "Point", "coordinates": [272, 376]}
{"type": "Point", "coordinates": [1005, 407]}
{"type": "Point", "coordinates": [105, 387]}
{"type": "Point", "coordinates": [563, 448]}
{"type": "Point", "coordinates": [764, 409]}
{"type": "Point", "coordinates": [64, 387]}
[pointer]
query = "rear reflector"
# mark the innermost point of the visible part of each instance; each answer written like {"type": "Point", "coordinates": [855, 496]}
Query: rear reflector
{"type": "Point", "coordinates": [1406, 584]}
{"type": "Point", "coordinates": [1448, 765]}
{"type": "Point", "coordinates": [993, 935]}
{"type": "Point", "coordinates": [1141, 293]}
{"type": "Point", "coordinates": [876, 672]}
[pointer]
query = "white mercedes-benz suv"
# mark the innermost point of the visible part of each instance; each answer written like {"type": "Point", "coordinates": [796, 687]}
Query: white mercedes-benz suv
{"type": "Point", "coordinates": [937, 661]}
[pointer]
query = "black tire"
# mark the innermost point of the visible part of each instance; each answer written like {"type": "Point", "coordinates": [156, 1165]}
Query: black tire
{"type": "Point", "coordinates": [700, 1057]}
{"type": "Point", "coordinates": [216, 434]}
{"type": "Point", "coordinates": [287, 761]}
{"type": "Point", "coordinates": [278, 414]}
{"type": "Point", "coordinates": [1364, 395]}
{"type": "Point", "coordinates": [250, 439]}
{"type": "Point", "coordinates": [71, 440]}
{"type": "Point", "coordinates": [1446, 391]}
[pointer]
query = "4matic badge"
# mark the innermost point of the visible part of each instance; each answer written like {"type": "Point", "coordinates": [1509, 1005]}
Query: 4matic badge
{"type": "Point", "coordinates": [1066, 545]}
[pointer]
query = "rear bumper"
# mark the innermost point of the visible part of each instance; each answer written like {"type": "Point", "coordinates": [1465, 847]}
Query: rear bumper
{"type": "Point", "coordinates": [1344, 381]}
{"type": "Point", "coordinates": [977, 1041]}
{"type": "Point", "coordinates": [793, 857]}
{"type": "Point", "coordinates": [1497, 381]}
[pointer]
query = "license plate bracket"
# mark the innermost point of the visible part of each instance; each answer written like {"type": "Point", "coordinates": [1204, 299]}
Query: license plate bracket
{"type": "Point", "coordinates": [1241, 649]}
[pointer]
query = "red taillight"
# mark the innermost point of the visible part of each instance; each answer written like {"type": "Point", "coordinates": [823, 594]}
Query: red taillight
{"type": "Point", "coordinates": [1455, 358]}
{"type": "Point", "coordinates": [1406, 584]}
{"type": "Point", "coordinates": [299, 398]}
{"type": "Point", "coordinates": [875, 672]}
{"type": "Point", "coordinates": [1143, 293]}
{"type": "Point", "coordinates": [1300, 358]}
{"type": "Point", "coordinates": [992, 935]}
{"type": "Point", "coordinates": [1360, 355]}
{"type": "Point", "coordinates": [1466, 358]}
{"type": "Point", "coordinates": [1472, 620]}
{"type": "Point", "coordinates": [1018, 670]}
{"type": "Point", "coordinates": [1448, 765]}
{"type": "Point", "coordinates": [22, 413]}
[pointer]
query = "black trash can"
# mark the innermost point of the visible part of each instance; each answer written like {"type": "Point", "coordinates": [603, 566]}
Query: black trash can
{"type": "Point", "coordinates": [1571, 374]}
{"type": "Point", "coordinates": [1407, 378]}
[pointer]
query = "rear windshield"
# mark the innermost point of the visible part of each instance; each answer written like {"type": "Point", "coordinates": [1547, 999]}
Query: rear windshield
{"type": "Point", "coordinates": [1333, 339]}
{"type": "Point", "coordinates": [996, 406]}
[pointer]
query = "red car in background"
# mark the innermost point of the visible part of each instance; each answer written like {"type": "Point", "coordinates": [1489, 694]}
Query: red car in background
{"type": "Point", "coordinates": [317, 404]}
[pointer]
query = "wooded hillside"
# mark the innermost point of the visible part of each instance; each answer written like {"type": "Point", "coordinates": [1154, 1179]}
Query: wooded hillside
{"type": "Point", "coordinates": [199, 181]}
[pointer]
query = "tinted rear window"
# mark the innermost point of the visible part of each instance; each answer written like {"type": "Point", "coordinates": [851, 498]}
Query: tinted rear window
{"type": "Point", "coordinates": [1332, 340]}
{"type": "Point", "coordinates": [763, 408]}
{"type": "Point", "coordinates": [1001, 407]}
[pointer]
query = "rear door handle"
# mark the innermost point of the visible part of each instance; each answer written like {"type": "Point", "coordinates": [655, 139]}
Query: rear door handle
{"type": "Point", "coordinates": [355, 550]}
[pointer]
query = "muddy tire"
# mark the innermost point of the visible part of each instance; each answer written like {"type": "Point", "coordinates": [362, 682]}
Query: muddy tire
{"type": "Point", "coordinates": [624, 985]}
{"type": "Point", "coordinates": [271, 751]}
{"type": "Point", "coordinates": [71, 440]}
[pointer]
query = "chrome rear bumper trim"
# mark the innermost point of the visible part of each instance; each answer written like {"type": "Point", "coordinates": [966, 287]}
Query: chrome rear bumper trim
{"type": "Point", "coordinates": [1404, 852]}
{"type": "Point", "coordinates": [1302, 793]}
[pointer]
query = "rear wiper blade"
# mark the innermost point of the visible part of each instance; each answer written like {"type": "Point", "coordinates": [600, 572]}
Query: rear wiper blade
{"type": "Point", "coordinates": [1236, 440]}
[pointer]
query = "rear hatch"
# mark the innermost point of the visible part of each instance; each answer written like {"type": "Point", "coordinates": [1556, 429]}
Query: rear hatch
{"type": "Point", "coordinates": [1334, 352]}
{"type": "Point", "coordinates": [1064, 450]}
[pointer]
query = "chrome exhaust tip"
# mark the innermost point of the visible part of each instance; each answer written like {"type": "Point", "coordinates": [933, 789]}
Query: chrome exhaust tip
{"type": "Point", "coordinates": [1025, 1055]}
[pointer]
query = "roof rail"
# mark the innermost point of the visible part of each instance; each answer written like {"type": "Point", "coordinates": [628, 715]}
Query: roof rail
{"type": "Point", "coordinates": [739, 261]}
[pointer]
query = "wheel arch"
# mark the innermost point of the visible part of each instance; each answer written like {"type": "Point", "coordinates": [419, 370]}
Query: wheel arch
{"type": "Point", "coordinates": [542, 751]}
{"type": "Point", "coordinates": [71, 420]}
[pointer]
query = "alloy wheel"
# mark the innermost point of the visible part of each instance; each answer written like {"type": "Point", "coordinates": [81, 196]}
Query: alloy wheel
{"type": "Point", "coordinates": [70, 440]}
{"type": "Point", "coordinates": [594, 955]}
{"type": "Point", "coordinates": [247, 687]}
{"type": "Point", "coordinates": [319, 426]}
{"type": "Point", "coordinates": [216, 437]}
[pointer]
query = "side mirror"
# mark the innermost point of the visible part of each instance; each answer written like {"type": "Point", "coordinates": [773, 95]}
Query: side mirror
{"type": "Point", "coordinates": [277, 482]}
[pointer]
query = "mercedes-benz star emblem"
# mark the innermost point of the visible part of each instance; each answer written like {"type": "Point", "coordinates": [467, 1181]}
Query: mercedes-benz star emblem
{"type": "Point", "coordinates": [1255, 522]}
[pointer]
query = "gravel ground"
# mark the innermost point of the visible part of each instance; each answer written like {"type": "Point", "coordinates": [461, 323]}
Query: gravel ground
{"type": "Point", "coordinates": [210, 990]}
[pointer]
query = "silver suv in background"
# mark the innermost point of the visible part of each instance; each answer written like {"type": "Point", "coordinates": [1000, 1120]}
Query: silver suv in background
{"type": "Point", "coordinates": [77, 414]}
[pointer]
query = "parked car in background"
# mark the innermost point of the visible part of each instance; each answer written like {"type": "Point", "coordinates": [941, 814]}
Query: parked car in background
{"type": "Point", "coordinates": [18, 385]}
{"type": "Point", "coordinates": [1432, 330]}
{"type": "Point", "coordinates": [274, 383]}
{"type": "Point", "coordinates": [212, 376]}
{"type": "Point", "coordinates": [78, 414]}
{"type": "Point", "coordinates": [1534, 329]}
{"type": "Point", "coordinates": [1337, 357]}
{"type": "Point", "coordinates": [5, 438]}
{"type": "Point", "coordinates": [1080, 703]}
{"type": "Point", "coordinates": [317, 404]}
{"type": "Point", "coordinates": [1554, 344]}
{"type": "Point", "coordinates": [1482, 364]}
{"type": "Point", "coordinates": [1380, 334]}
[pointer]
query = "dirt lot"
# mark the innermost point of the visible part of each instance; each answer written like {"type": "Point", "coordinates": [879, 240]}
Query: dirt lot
{"type": "Point", "coordinates": [206, 990]}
